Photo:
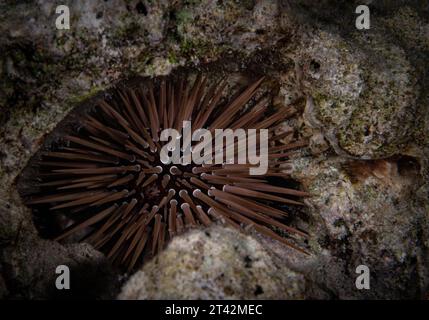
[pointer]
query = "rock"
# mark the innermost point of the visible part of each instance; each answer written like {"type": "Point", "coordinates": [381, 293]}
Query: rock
{"type": "Point", "coordinates": [28, 263]}
{"type": "Point", "coordinates": [217, 24]}
{"type": "Point", "coordinates": [363, 93]}
{"type": "Point", "coordinates": [367, 213]}
{"type": "Point", "coordinates": [217, 263]}
{"type": "Point", "coordinates": [318, 144]}
{"type": "Point", "coordinates": [367, 98]}
{"type": "Point", "coordinates": [46, 72]}
{"type": "Point", "coordinates": [30, 269]}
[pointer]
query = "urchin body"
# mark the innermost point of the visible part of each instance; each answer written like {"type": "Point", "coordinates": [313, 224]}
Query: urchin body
{"type": "Point", "coordinates": [124, 200]}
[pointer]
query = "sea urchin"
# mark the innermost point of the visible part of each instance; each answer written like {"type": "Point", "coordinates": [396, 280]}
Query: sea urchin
{"type": "Point", "coordinates": [107, 177]}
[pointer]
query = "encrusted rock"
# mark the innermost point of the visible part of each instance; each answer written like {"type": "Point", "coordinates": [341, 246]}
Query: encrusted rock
{"type": "Point", "coordinates": [363, 93]}
{"type": "Point", "coordinates": [367, 98]}
{"type": "Point", "coordinates": [216, 263]}
{"type": "Point", "coordinates": [367, 213]}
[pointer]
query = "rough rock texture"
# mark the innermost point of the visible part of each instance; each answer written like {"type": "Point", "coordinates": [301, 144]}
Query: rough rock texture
{"type": "Point", "coordinates": [366, 117]}
{"type": "Point", "coordinates": [364, 100]}
{"type": "Point", "coordinates": [216, 263]}
{"type": "Point", "coordinates": [29, 263]}
{"type": "Point", "coordinates": [370, 213]}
